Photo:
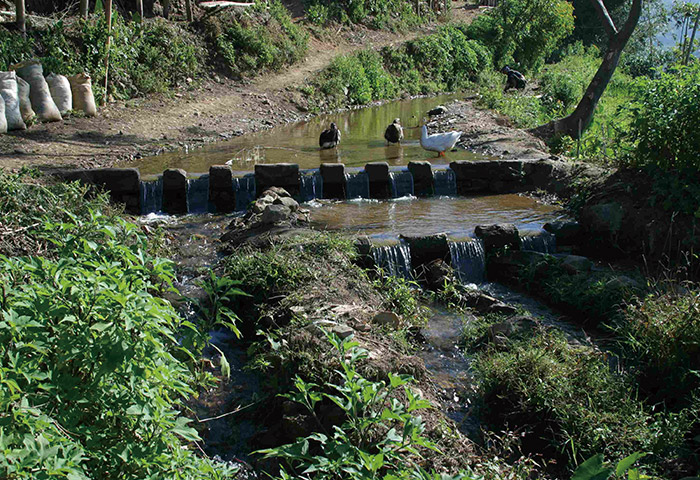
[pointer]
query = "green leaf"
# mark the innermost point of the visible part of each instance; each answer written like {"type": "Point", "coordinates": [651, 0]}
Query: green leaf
{"type": "Point", "coordinates": [592, 469]}
{"type": "Point", "coordinates": [182, 430]}
{"type": "Point", "coordinates": [627, 462]}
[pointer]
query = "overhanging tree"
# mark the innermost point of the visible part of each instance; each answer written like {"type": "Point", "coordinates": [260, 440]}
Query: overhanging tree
{"type": "Point", "coordinates": [582, 116]}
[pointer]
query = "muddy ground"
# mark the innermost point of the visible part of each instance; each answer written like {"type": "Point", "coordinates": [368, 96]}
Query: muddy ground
{"type": "Point", "coordinates": [217, 108]}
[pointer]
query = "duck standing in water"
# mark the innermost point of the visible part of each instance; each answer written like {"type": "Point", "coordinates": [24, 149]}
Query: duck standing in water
{"type": "Point", "coordinates": [438, 142]}
{"type": "Point", "coordinates": [329, 138]}
{"type": "Point", "coordinates": [394, 132]}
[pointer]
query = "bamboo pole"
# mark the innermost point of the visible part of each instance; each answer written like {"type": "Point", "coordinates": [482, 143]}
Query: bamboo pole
{"type": "Point", "coordinates": [21, 15]}
{"type": "Point", "coordinates": [188, 8]}
{"type": "Point", "coordinates": [139, 8]}
{"type": "Point", "coordinates": [108, 17]}
{"type": "Point", "coordinates": [84, 9]}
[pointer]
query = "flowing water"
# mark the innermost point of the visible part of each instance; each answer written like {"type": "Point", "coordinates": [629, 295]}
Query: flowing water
{"type": "Point", "coordinates": [362, 141]}
{"type": "Point", "coordinates": [410, 216]}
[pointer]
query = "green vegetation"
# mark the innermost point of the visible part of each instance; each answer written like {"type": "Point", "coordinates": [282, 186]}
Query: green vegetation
{"type": "Point", "coordinates": [661, 336]}
{"type": "Point", "coordinates": [523, 32]}
{"type": "Point", "coordinates": [92, 363]}
{"type": "Point", "coordinates": [381, 436]}
{"type": "Point", "coordinates": [569, 404]}
{"type": "Point", "coordinates": [444, 61]}
{"type": "Point", "coordinates": [149, 57]}
{"type": "Point", "coordinates": [377, 14]}
{"type": "Point", "coordinates": [257, 39]}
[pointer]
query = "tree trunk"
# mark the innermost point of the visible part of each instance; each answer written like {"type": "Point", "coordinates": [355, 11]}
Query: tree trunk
{"type": "Point", "coordinates": [582, 116]}
{"type": "Point", "coordinates": [21, 16]}
{"type": "Point", "coordinates": [108, 17]}
{"type": "Point", "coordinates": [166, 8]}
{"type": "Point", "coordinates": [84, 9]}
{"type": "Point", "coordinates": [692, 39]}
{"type": "Point", "coordinates": [188, 9]}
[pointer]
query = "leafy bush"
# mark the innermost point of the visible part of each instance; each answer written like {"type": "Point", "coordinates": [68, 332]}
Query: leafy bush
{"type": "Point", "coordinates": [91, 369]}
{"type": "Point", "coordinates": [523, 32]}
{"type": "Point", "coordinates": [665, 119]}
{"type": "Point", "coordinates": [144, 58]}
{"type": "Point", "coordinates": [561, 91]}
{"type": "Point", "coordinates": [258, 40]}
{"type": "Point", "coordinates": [377, 14]}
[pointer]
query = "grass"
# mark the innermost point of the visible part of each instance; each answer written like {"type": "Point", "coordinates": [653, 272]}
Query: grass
{"type": "Point", "coordinates": [567, 403]}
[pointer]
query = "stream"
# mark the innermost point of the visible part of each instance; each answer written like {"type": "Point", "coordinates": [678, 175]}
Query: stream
{"type": "Point", "coordinates": [362, 141]}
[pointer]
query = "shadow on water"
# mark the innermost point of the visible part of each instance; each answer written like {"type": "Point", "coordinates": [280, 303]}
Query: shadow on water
{"type": "Point", "coordinates": [362, 141]}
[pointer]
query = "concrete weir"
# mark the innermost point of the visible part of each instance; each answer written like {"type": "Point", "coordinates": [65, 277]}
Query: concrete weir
{"type": "Point", "coordinates": [218, 190]}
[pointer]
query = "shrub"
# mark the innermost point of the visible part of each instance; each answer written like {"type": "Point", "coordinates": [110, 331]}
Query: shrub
{"type": "Point", "coordinates": [665, 119]}
{"type": "Point", "coordinates": [258, 40]}
{"type": "Point", "coordinates": [561, 91]}
{"type": "Point", "coordinates": [377, 14]}
{"type": "Point", "coordinates": [14, 48]}
{"type": "Point", "coordinates": [92, 371]}
{"type": "Point", "coordinates": [524, 32]}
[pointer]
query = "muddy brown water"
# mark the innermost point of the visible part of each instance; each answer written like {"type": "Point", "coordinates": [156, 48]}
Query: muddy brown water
{"type": "Point", "coordinates": [456, 216]}
{"type": "Point", "coordinates": [362, 141]}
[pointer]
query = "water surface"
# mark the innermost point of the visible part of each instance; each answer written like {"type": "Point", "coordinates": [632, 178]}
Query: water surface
{"type": "Point", "coordinates": [456, 216]}
{"type": "Point", "coordinates": [362, 141]}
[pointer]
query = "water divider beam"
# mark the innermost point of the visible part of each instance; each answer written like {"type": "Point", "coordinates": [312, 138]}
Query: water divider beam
{"type": "Point", "coordinates": [379, 180]}
{"type": "Point", "coordinates": [283, 175]}
{"type": "Point", "coordinates": [221, 193]}
{"type": "Point", "coordinates": [334, 181]}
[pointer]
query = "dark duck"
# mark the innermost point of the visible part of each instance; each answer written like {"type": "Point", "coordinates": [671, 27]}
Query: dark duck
{"type": "Point", "coordinates": [329, 138]}
{"type": "Point", "coordinates": [394, 132]}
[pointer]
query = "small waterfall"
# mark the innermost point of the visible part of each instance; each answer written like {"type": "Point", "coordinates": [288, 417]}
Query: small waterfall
{"type": "Point", "coordinates": [468, 260]}
{"type": "Point", "coordinates": [445, 182]}
{"type": "Point", "coordinates": [244, 191]}
{"type": "Point", "coordinates": [401, 184]}
{"type": "Point", "coordinates": [198, 194]}
{"type": "Point", "coordinates": [543, 242]}
{"type": "Point", "coordinates": [357, 185]}
{"type": "Point", "coordinates": [393, 259]}
{"type": "Point", "coordinates": [152, 196]}
{"type": "Point", "coordinates": [311, 187]}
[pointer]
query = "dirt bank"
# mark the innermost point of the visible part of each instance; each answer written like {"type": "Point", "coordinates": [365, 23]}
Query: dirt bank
{"type": "Point", "coordinates": [218, 108]}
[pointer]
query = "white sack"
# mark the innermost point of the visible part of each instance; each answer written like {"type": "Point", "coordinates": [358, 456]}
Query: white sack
{"type": "Point", "coordinates": [25, 104]}
{"type": "Point", "coordinates": [60, 92]}
{"type": "Point", "coordinates": [39, 92]}
{"type": "Point", "coordinates": [10, 94]}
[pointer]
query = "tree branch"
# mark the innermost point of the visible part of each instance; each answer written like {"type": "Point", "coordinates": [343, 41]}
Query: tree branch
{"type": "Point", "coordinates": [604, 16]}
{"type": "Point", "coordinates": [632, 19]}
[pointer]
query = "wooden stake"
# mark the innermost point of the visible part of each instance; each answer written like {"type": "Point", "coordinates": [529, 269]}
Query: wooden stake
{"type": "Point", "coordinates": [21, 14]}
{"type": "Point", "coordinates": [139, 8]}
{"type": "Point", "coordinates": [166, 8]}
{"type": "Point", "coordinates": [84, 9]}
{"type": "Point", "coordinates": [188, 9]}
{"type": "Point", "coordinates": [108, 17]}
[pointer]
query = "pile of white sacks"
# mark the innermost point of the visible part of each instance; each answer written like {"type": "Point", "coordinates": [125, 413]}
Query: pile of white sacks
{"type": "Point", "coordinates": [27, 94]}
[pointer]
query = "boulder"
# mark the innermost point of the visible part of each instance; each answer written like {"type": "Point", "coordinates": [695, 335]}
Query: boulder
{"type": "Point", "coordinates": [567, 232]}
{"type": "Point", "coordinates": [508, 267]}
{"type": "Point", "coordinates": [287, 202]}
{"type": "Point", "coordinates": [604, 218]}
{"type": "Point", "coordinates": [498, 236]}
{"type": "Point", "coordinates": [387, 319]}
{"type": "Point", "coordinates": [275, 214]}
{"type": "Point", "coordinates": [574, 264]}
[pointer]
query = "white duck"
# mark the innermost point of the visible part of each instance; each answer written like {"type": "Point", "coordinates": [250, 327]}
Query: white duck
{"type": "Point", "coordinates": [438, 142]}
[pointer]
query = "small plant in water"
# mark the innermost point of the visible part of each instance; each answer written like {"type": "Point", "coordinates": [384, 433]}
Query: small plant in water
{"type": "Point", "coordinates": [380, 437]}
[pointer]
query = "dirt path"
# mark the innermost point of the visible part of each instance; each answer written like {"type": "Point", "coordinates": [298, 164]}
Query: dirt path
{"type": "Point", "coordinates": [216, 109]}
